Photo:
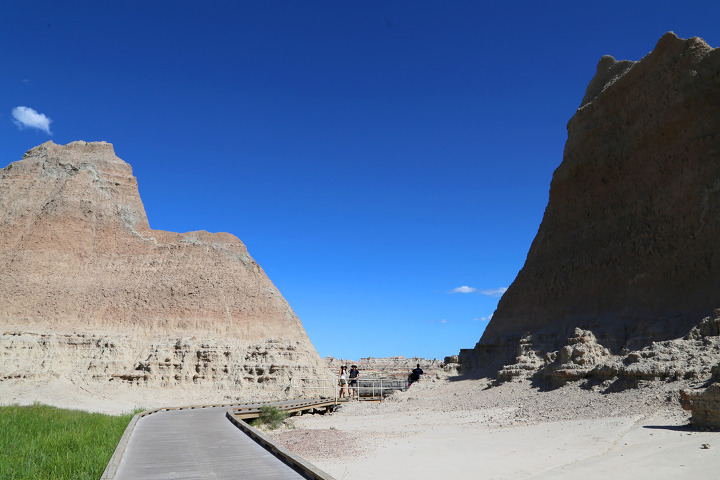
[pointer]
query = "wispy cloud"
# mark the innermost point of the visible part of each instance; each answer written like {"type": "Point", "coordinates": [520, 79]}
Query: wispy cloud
{"type": "Point", "coordinates": [493, 292]}
{"type": "Point", "coordinates": [441, 321]}
{"type": "Point", "coordinates": [463, 289]}
{"type": "Point", "coordinates": [27, 117]}
{"type": "Point", "coordinates": [484, 319]}
{"type": "Point", "coordinates": [497, 292]}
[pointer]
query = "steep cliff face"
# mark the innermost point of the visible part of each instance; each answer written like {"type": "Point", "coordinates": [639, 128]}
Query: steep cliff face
{"type": "Point", "coordinates": [628, 244]}
{"type": "Point", "coordinates": [88, 291]}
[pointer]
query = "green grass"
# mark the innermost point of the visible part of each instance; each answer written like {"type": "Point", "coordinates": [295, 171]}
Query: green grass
{"type": "Point", "coordinates": [269, 416]}
{"type": "Point", "coordinates": [42, 442]}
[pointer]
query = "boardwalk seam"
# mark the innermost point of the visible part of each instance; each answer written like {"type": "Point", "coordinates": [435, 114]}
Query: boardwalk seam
{"type": "Point", "coordinates": [300, 465]}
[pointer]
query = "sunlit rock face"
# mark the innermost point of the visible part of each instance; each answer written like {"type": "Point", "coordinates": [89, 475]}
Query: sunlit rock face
{"type": "Point", "coordinates": [628, 246]}
{"type": "Point", "coordinates": [89, 292]}
{"type": "Point", "coordinates": [704, 402]}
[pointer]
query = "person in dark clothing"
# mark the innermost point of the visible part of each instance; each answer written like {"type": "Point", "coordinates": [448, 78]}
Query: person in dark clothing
{"type": "Point", "coordinates": [415, 375]}
{"type": "Point", "coordinates": [354, 374]}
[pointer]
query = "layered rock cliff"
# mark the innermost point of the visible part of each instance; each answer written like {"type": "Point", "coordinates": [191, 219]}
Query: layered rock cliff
{"type": "Point", "coordinates": [627, 248]}
{"type": "Point", "coordinates": [398, 366]}
{"type": "Point", "coordinates": [90, 293]}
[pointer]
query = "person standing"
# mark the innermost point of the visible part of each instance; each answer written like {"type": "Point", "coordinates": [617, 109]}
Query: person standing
{"type": "Point", "coordinates": [354, 374]}
{"type": "Point", "coordinates": [342, 380]}
{"type": "Point", "coordinates": [415, 375]}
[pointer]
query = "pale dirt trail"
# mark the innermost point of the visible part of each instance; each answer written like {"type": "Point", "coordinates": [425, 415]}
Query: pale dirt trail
{"type": "Point", "coordinates": [448, 429]}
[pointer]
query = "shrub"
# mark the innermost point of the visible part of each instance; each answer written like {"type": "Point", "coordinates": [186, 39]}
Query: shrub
{"type": "Point", "coordinates": [271, 417]}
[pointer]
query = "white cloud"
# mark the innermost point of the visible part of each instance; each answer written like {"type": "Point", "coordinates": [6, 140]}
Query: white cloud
{"type": "Point", "coordinates": [463, 289]}
{"type": "Point", "coordinates": [27, 117]}
{"type": "Point", "coordinates": [497, 292]}
{"type": "Point", "coordinates": [484, 319]}
{"type": "Point", "coordinates": [441, 321]}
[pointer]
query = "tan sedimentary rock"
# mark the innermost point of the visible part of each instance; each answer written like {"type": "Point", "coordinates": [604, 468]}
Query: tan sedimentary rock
{"type": "Point", "coordinates": [397, 366]}
{"type": "Point", "coordinates": [384, 364]}
{"type": "Point", "coordinates": [576, 360]}
{"type": "Point", "coordinates": [704, 402]}
{"type": "Point", "coordinates": [89, 292]}
{"type": "Point", "coordinates": [628, 244]}
{"type": "Point", "coordinates": [527, 362]}
{"type": "Point", "coordinates": [688, 360]}
{"type": "Point", "coordinates": [451, 359]}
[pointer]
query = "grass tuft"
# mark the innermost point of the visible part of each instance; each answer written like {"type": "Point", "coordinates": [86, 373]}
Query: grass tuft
{"type": "Point", "coordinates": [43, 442]}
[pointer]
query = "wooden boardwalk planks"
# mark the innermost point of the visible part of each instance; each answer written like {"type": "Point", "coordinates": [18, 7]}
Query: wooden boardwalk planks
{"type": "Point", "coordinates": [195, 444]}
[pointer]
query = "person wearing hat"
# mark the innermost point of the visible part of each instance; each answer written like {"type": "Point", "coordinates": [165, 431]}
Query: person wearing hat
{"type": "Point", "coordinates": [354, 374]}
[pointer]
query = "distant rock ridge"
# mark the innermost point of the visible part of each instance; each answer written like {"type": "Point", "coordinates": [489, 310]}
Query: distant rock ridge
{"type": "Point", "coordinates": [628, 246]}
{"type": "Point", "coordinates": [395, 362]}
{"type": "Point", "coordinates": [88, 290]}
{"type": "Point", "coordinates": [396, 366]}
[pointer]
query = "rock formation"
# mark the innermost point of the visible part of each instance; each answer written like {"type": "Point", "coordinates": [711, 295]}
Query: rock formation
{"type": "Point", "coordinates": [577, 359]}
{"type": "Point", "coordinates": [688, 360]}
{"type": "Point", "coordinates": [396, 367]}
{"type": "Point", "coordinates": [704, 402]}
{"type": "Point", "coordinates": [527, 362]}
{"type": "Point", "coordinates": [627, 248]}
{"type": "Point", "coordinates": [90, 294]}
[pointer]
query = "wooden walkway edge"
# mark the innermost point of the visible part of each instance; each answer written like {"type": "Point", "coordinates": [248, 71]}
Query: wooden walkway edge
{"type": "Point", "coordinates": [226, 461]}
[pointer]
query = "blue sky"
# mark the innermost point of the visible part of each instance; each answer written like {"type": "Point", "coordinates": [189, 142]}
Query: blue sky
{"type": "Point", "coordinates": [375, 157]}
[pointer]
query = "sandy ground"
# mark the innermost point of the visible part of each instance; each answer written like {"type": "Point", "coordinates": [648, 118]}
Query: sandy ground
{"type": "Point", "coordinates": [442, 428]}
{"type": "Point", "coordinates": [110, 400]}
{"type": "Point", "coordinates": [464, 429]}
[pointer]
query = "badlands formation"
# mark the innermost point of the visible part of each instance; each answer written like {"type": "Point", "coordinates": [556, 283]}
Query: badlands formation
{"type": "Point", "coordinates": [627, 247]}
{"type": "Point", "coordinates": [608, 329]}
{"type": "Point", "coordinates": [611, 327]}
{"type": "Point", "coordinates": [397, 366]}
{"type": "Point", "coordinates": [99, 311]}
{"type": "Point", "coordinates": [622, 280]}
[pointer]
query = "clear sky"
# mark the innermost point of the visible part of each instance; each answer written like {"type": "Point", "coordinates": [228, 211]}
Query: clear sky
{"type": "Point", "coordinates": [387, 163]}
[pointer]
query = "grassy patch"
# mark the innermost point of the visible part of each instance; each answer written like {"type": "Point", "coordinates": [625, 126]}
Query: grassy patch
{"type": "Point", "coordinates": [42, 442]}
{"type": "Point", "coordinates": [270, 417]}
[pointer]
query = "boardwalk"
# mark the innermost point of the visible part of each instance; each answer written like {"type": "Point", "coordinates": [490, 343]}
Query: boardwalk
{"type": "Point", "coordinates": [196, 444]}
